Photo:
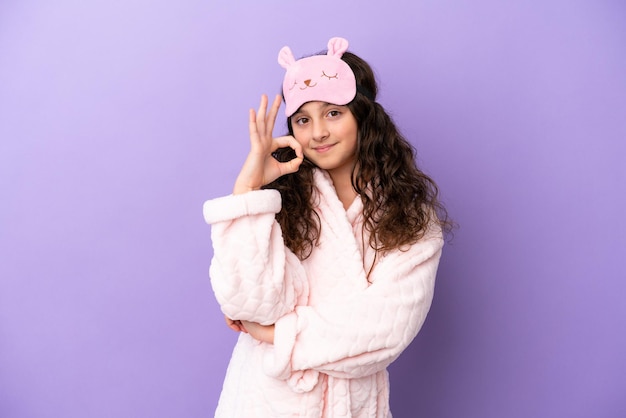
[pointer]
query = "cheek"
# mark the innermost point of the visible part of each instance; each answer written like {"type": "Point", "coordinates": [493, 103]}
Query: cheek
{"type": "Point", "coordinates": [350, 133]}
{"type": "Point", "coordinates": [350, 128]}
{"type": "Point", "coordinates": [300, 136]}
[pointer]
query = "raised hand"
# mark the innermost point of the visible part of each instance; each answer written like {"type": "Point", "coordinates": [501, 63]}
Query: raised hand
{"type": "Point", "coordinates": [260, 168]}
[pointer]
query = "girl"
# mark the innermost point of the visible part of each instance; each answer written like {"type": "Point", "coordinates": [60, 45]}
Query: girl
{"type": "Point", "coordinates": [325, 255]}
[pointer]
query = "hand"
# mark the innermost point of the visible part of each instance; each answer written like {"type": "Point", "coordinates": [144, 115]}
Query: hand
{"type": "Point", "coordinates": [264, 333]}
{"type": "Point", "coordinates": [260, 167]}
{"type": "Point", "coordinates": [235, 325]}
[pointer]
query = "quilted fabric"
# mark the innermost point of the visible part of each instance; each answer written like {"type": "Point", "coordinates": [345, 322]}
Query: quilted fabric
{"type": "Point", "coordinates": [335, 332]}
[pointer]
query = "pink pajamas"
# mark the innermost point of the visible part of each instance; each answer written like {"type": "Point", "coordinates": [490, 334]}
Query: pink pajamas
{"type": "Point", "coordinates": [335, 333]}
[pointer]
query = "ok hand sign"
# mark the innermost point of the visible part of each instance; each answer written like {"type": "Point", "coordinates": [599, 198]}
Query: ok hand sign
{"type": "Point", "coordinates": [260, 167]}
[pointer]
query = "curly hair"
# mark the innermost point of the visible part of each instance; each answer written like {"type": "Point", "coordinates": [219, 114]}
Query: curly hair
{"type": "Point", "coordinates": [400, 202]}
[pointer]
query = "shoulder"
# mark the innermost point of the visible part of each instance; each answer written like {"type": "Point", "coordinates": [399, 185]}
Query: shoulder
{"type": "Point", "coordinates": [428, 246]}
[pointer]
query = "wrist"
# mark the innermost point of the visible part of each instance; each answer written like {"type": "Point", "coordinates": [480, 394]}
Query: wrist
{"type": "Point", "coordinates": [238, 189]}
{"type": "Point", "coordinates": [270, 334]}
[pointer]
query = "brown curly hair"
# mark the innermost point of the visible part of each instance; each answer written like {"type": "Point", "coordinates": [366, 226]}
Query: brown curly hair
{"type": "Point", "coordinates": [400, 202]}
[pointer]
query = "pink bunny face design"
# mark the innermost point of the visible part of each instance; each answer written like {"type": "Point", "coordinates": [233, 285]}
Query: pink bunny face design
{"type": "Point", "coordinates": [325, 78]}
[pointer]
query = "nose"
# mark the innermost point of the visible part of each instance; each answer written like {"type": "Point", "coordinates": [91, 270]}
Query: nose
{"type": "Point", "coordinates": [307, 82]}
{"type": "Point", "coordinates": [319, 131]}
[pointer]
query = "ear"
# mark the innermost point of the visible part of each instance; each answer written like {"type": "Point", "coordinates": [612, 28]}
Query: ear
{"type": "Point", "coordinates": [337, 46]}
{"type": "Point", "coordinates": [285, 57]}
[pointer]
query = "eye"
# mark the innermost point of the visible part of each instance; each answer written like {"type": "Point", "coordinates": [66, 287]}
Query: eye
{"type": "Point", "coordinates": [329, 76]}
{"type": "Point", "coordinates": [294, 85]}
{"type": "Point", "coordinates": [334, 113]}
{"type": "Point", "coordinates": [301, 121]}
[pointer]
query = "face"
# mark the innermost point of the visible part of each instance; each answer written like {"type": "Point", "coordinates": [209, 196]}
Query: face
{"type": "Point", "coordinates": [328, 135]}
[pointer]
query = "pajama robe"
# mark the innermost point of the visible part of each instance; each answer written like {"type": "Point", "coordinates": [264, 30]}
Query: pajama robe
{"type": "Point", "coordinates": [336, 329]}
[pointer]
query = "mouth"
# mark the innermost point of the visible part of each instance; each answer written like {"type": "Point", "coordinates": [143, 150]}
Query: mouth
{"type": "Point", "coordinates": [323, 148]}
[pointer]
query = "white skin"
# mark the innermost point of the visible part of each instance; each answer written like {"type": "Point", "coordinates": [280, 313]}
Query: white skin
{"type": "Point", "coordinates": [325, 133]}
{"type": "Point", "coordinates": [260, 168]}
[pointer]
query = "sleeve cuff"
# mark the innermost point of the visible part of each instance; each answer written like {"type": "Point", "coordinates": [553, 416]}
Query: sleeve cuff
{"type": "Point", "coordinates": [277, 360]}
{"type": "Point", "coordinates": [231, 207]}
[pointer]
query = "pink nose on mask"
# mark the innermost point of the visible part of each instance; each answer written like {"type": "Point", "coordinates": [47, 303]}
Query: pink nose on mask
{"type": "Point", "coordinates": [307, 79]}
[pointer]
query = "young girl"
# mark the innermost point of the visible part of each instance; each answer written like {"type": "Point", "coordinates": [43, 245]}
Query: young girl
{"type": "Point", "coordinates": [325, 255]}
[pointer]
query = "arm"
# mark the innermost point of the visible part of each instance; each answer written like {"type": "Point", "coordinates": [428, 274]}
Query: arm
{"type": "Point", "coordinates": [365, 331]}
{"type": "Point", "coordinates": [263, 333]}
{"type": "Point", "coordinates": [253, 275]}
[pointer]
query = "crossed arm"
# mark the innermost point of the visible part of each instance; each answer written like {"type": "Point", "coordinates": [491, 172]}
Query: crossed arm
{"type": "Point", "coordinates": [264, 333]}
{"type": "Point", "coordinates": [259, 169]}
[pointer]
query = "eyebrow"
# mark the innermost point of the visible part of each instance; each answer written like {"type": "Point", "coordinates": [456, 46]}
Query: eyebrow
{"type": "Point", "coordinates": [323, 106]}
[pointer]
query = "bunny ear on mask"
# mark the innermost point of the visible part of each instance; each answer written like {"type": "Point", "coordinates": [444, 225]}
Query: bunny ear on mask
{"type": "Point", "coordinates": [285, 57]}
{"type": "Point", "coordinates": [326, 78]}
{"type": "Point", "coordinates": [337, 46]}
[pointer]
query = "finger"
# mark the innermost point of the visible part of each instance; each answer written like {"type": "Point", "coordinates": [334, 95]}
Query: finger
{"type": "Point", "coordinates": [254, 133]}
{"type": "Point", "coordinates": [243, 326]}
{"type": "Point", "coordinates": [290, 166]}
{"type": "Point", "coordinates": [260, 116]}
{"type": "Point", "coordinates": [237, 327]}
{"type": "Point", "coordinates": [288, 141]}
{"type": "Point", "coordinates": [231, 324]}
{"type": "Point", "coordinates": [271, 118]}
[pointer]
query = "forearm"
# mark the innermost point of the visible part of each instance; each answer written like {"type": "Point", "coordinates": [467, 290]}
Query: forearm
{"type": "Point", "coordinates": [361, 332]}
{"type": "Point", "coordinates": [253, 275]}
{"type": "Point", "coordinates": [263, 333]}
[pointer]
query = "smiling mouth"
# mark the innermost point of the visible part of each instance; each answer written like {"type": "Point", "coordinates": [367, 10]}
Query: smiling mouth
{"type": "Point", "coordinates": [323, 148]}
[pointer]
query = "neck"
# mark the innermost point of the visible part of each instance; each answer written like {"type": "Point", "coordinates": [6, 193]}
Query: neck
{"type": "Point", "coordinates": [343, 188]}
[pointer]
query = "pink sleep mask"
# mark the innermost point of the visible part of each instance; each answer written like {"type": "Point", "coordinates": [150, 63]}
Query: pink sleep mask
{"type": "Point", "coordinates": [325, 78]}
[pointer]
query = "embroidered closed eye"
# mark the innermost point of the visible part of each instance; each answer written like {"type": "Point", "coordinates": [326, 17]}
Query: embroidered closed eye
{"type": "Point", "coordinates": [329, 76]}
{"type": "Point", "coordinates": [294, 85]}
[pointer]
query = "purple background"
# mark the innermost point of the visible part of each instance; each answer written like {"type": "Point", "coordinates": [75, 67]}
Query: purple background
{"type": "Point", "coordinates": [119, 118]}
